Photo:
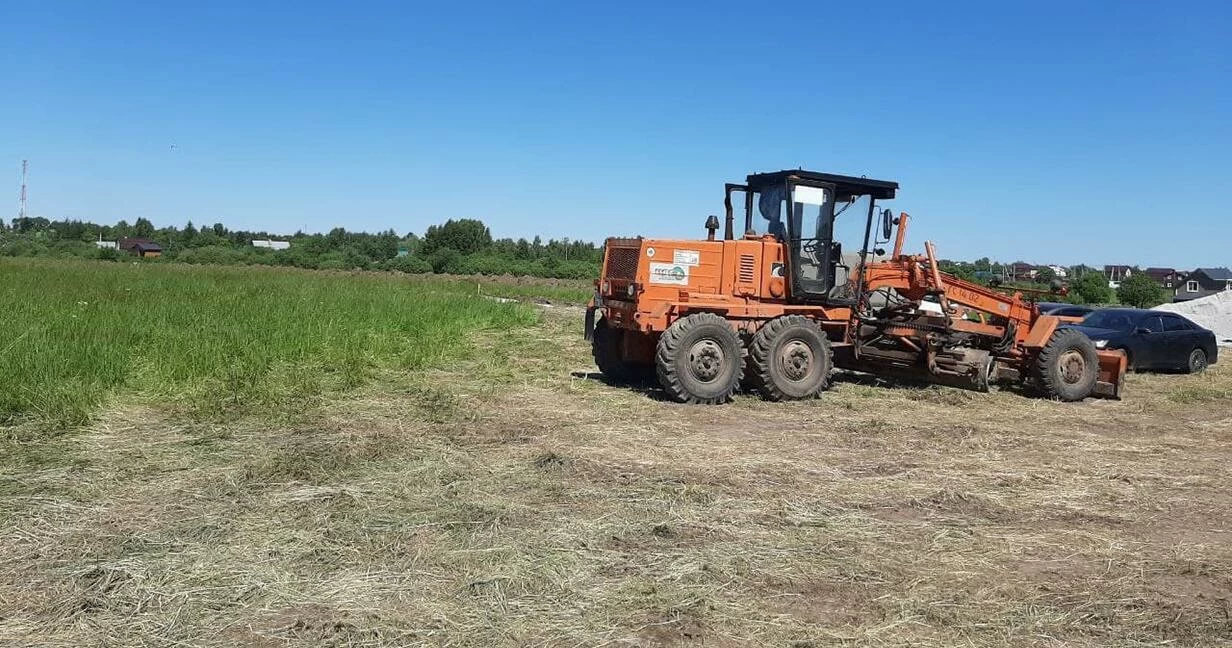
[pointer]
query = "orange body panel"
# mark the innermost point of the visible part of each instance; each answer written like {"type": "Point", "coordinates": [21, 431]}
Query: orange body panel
{"type": "Point", "coordinates": [740, 279]}
{"type": "Point", "coordinates": [1043, 329]}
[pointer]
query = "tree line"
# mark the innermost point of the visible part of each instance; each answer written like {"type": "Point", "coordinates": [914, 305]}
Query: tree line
{"type": "Point", "coordinates": [463, 246]}
{"type": "Point", "coordinates": [1082, 285]}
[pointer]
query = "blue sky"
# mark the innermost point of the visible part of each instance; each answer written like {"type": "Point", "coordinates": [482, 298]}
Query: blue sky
{"type": "Point", "coordinates": [1053, 132]}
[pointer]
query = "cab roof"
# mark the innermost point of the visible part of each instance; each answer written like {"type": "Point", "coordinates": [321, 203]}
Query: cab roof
{"type": "Point", "coordinates": [844, 186]}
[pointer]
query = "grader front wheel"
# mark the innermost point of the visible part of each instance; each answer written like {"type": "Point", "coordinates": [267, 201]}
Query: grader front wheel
{"type": "Point", "coordinates": [698, 360]}
{"type": "Point", "coordinates": [790, 358]}
{"type": "Point", "coordinates": [1068, 366]}
{"type": "Point", "coordinates": [605, 348]}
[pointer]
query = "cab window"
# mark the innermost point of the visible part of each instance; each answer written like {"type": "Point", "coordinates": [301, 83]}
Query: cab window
{"type": "Point", "coordinates": [810, 225]}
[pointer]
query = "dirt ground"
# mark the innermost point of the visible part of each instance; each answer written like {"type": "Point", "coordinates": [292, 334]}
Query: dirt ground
{"type": "Point", "coordinates": [514, 500]}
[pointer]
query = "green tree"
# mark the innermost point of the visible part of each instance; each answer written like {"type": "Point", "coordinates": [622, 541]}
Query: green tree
{"type": "Point", "coordinates": [1140, 291]}
{"type": "Point", "coordinates": [1092, 288]}
{"type": "Point", "coordinates": [448, 261]}
{"type": "Point", "coordinates": [409, 264]}
{"type": "Point", "coordinates": [1081, 270]}
{"type": "Point", "coordinates": [466, 235]}
{"type": "Point", "coordinates": [70, 230]}
{"type": "Point", "coordinates": [188, 235]}
{"type": "Point", "coordinates": [143, 228]}
{"type": "Point", "coordinates": [28, 224]}
{"type": "Point", "coordinates": [959, 269]}
{"type": "Point", "coordinates": [523, 249]}
{"type": "Point", "coordinates": [1045, 275]}
{"type": "Point", "coordinates": [121, 230]}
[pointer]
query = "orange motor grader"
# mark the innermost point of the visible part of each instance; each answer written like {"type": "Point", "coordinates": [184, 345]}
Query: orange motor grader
{"type": "Point", "coordinates": [776, 311]}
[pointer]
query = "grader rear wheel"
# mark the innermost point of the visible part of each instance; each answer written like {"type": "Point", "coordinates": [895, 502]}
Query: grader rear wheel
{"type": "Point", "coordinates": [698, 360]}
{"type": "Point", "coordinates": [790, 358]}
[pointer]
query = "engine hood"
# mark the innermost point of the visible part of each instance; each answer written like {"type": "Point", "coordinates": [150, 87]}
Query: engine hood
{"type": "Point", "coordinates": [1096, 333]}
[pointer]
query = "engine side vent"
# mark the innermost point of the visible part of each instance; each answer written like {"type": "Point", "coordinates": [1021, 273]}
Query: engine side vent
{"type": "Point", "coordinates": [622, 263]}
{"type": "Point", "coordinates": [748, 268]}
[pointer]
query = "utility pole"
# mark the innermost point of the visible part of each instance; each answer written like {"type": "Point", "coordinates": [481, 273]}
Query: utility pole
{"type": "Point", "coordinates": [21, 211]}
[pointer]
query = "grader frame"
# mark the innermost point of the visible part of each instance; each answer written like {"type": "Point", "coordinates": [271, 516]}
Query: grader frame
{"type": "Point", "coordinates": [771, 312]}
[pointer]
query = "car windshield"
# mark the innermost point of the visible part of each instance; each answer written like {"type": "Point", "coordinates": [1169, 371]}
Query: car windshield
{"type": "Point", "coordinates": [1110, 319]}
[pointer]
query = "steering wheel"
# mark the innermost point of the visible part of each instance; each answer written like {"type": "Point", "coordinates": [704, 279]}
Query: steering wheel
{"type": "Point", "coordinates": [810, 248]}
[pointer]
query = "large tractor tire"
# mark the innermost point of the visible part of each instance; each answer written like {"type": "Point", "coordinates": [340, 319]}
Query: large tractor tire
{"type": "Point", "coordinates": [1068, 366]}
{"type": "Point", "coordinates": [790, 359]}
{"type": "Point", "coordinates": [605, 347]}
{"type": "Point", "coordinates": [699, 360]}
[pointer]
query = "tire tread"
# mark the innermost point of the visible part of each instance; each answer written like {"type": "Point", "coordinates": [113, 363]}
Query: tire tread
{"type": "Point", "coordinates": [615, 370]}
{"type": "Point", "coordinates": [1061, 341]}
{"type": "Point", "coordinates": [760, 357]}
{"type": "Point", "coordinates": [670, 344]}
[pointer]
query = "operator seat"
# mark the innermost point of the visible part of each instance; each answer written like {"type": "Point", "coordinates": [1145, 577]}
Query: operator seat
{"type": "Point", "coordinates": [845, 270]}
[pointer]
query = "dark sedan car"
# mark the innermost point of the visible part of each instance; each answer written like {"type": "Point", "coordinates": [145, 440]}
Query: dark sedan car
{"type": "Point", "coordinates": [1152, 339]}
{"type": "Point", "coordinates": [1063, 310]}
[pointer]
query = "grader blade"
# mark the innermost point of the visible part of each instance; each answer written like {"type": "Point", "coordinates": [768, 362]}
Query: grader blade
{"type": "Point", "coordinates": [1112, 367]}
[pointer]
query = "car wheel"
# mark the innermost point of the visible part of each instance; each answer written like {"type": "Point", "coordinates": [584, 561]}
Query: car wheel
{"type": "Point", "coordinates": [1197, 361]}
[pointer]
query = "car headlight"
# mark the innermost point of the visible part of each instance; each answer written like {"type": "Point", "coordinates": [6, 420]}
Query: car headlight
{"type": "Point", "coordinates": [632, 290]}
{"type": "Point", "coordinates": [1100, 344]}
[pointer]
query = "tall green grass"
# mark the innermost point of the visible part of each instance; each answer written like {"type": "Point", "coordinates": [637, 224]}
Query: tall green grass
{"type": "Point", "coordinates": [74, 334]}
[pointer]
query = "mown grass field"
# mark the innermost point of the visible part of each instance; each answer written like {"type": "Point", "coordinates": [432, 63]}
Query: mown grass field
{"type": "Point", "coordinates": [79, 333]}
{"type": "Point", "coordinates": [507, 498]}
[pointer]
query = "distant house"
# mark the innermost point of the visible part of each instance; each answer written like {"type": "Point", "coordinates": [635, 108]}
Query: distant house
{"type": "Point", "coordinates": [271, 244]}
{"type": "Point", "coordinates": [106, 245]}
{"type": "Point", "coordinates": [990, 277]}
{"type": "Point", "coordinates": [1020, 271]}
{"type": "Point", "coordinates": [1167, 278]}
{"type": "Point", "coordinates": [142, 247]}
{"type": "Point", "coordinates": [1060, 272]}
{"type": "Point", "coordinates": [1203, 282]}
{"type": "Point", "coordinates": [1115, 274]}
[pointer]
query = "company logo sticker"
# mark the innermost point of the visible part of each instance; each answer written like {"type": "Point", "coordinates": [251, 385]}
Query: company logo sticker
{"type": "Point", "coordinates": [669, 273]}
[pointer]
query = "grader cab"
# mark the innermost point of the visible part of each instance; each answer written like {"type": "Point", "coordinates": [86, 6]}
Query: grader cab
{"type": "Point", "coordinates": [774, 311]}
